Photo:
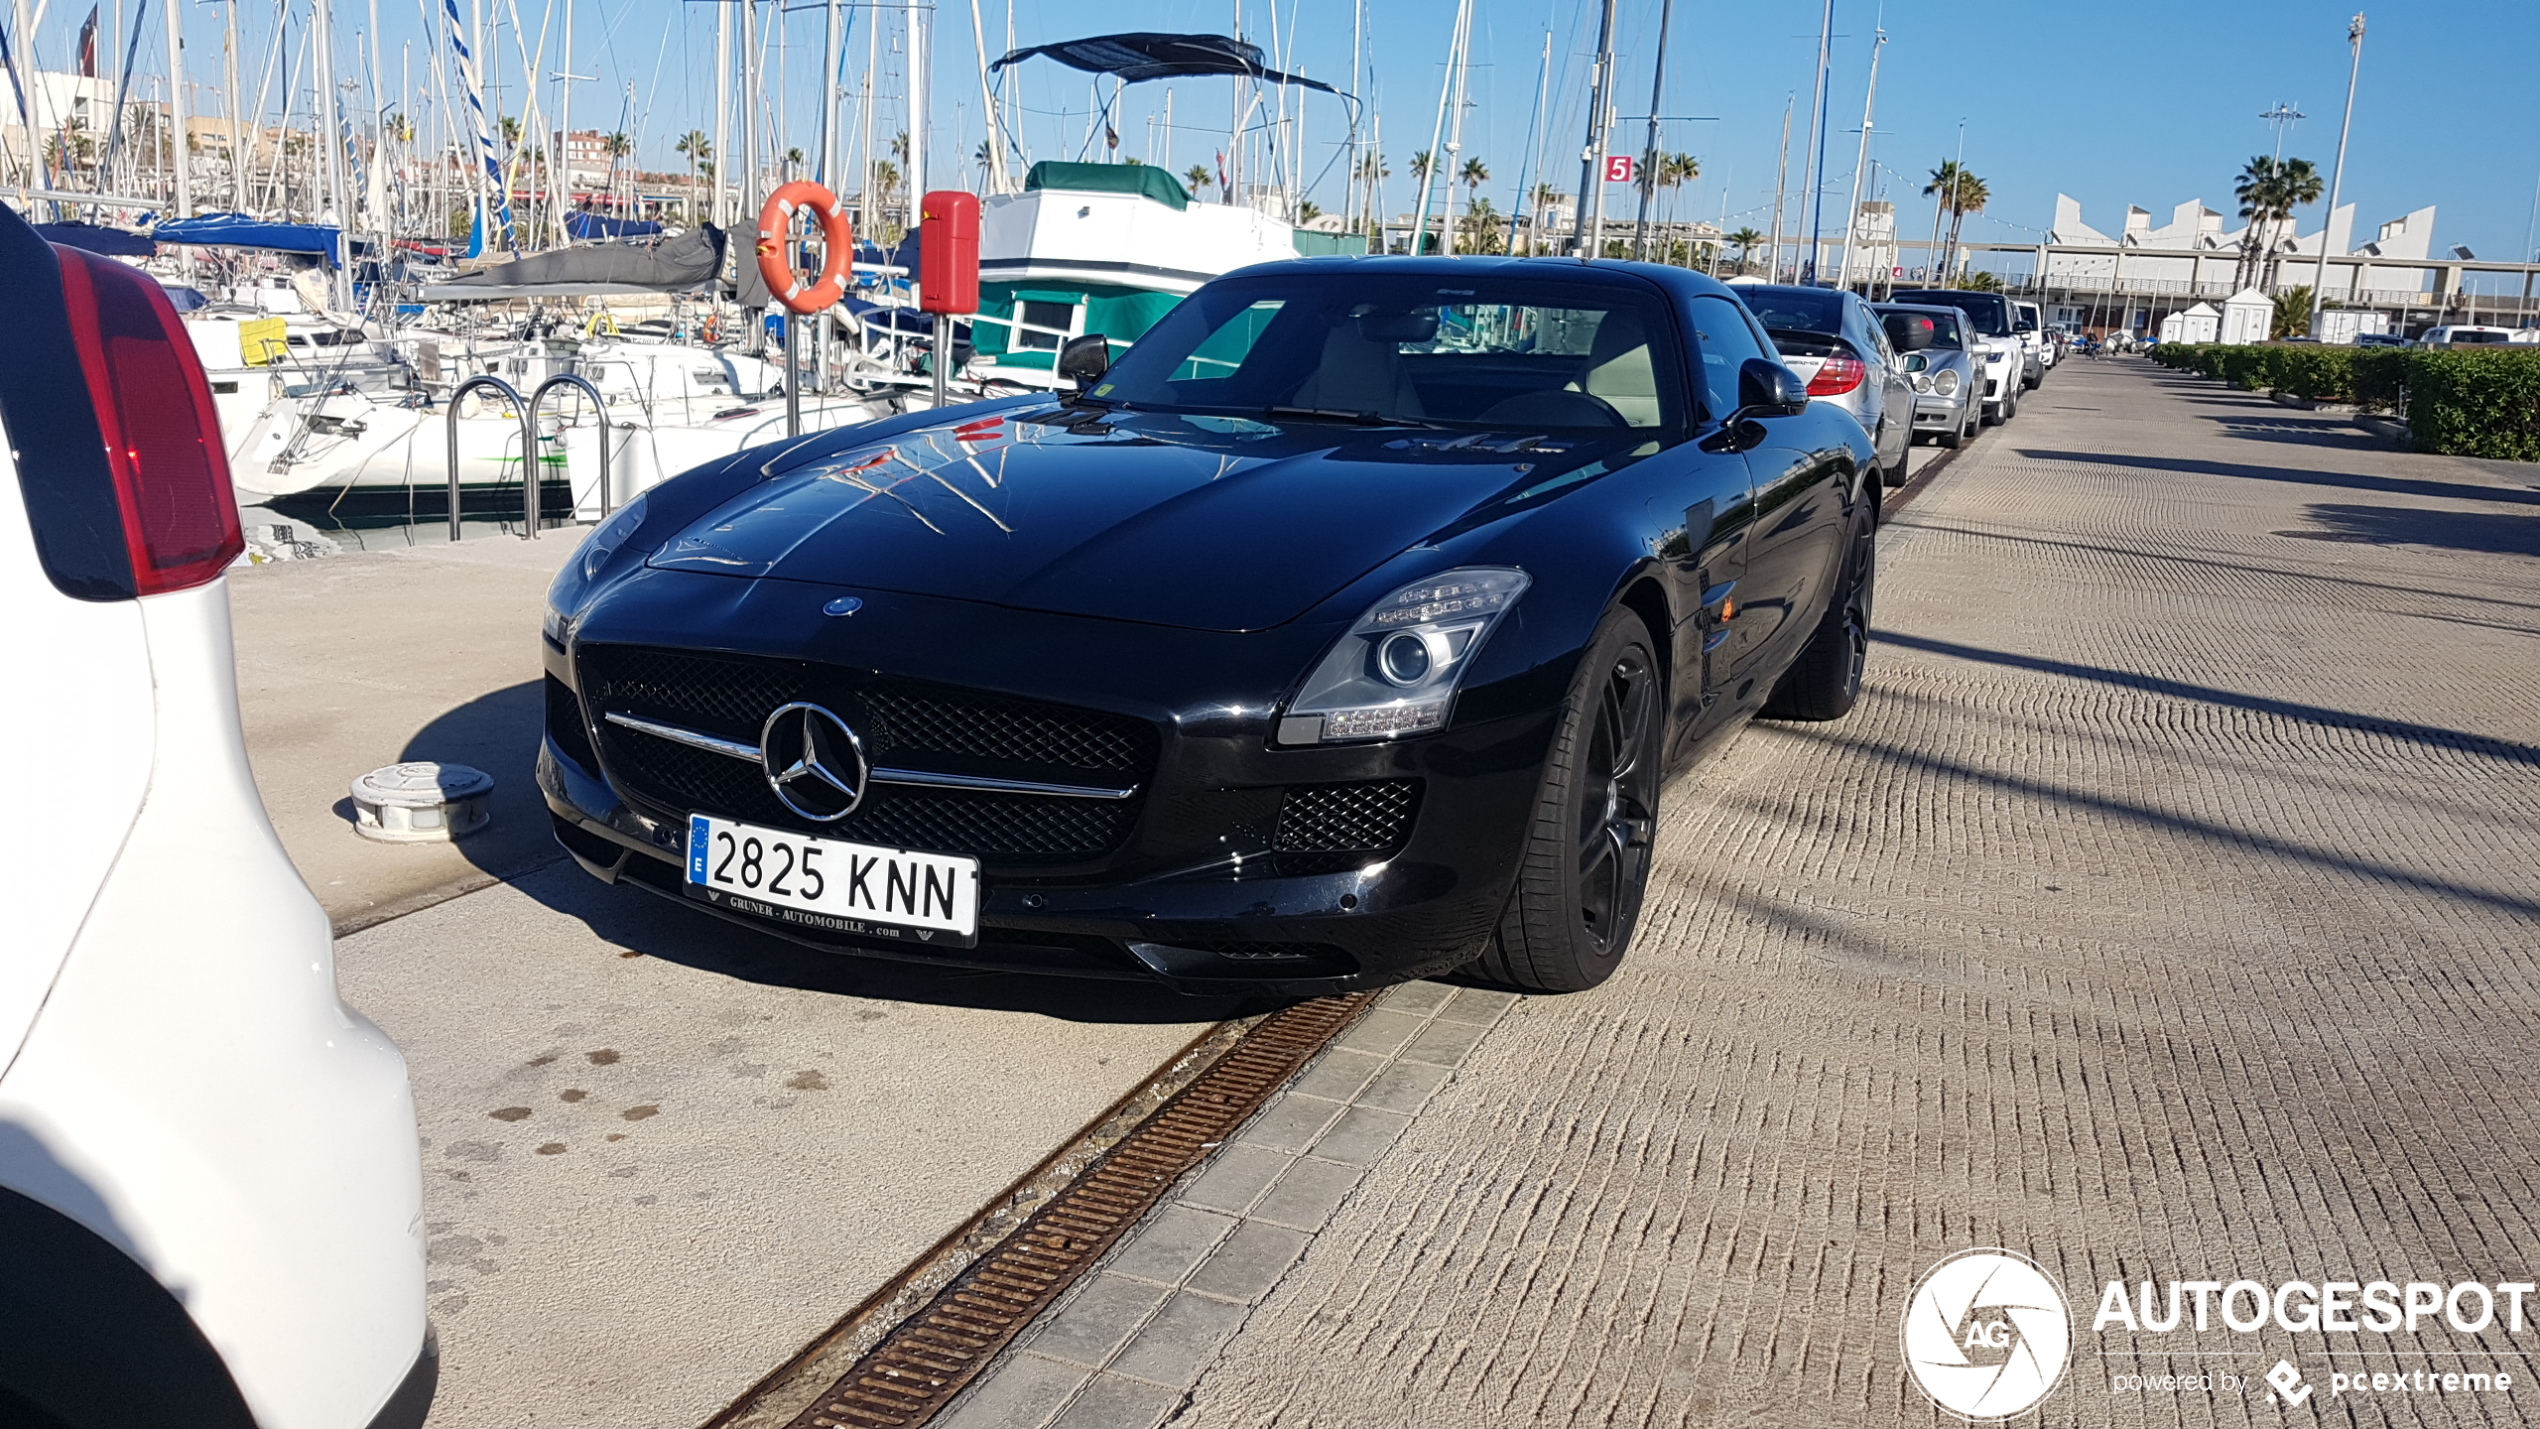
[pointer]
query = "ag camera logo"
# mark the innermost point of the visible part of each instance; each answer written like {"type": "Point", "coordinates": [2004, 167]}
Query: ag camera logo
{"type": "Point", "coordinates": [1987, 1334]}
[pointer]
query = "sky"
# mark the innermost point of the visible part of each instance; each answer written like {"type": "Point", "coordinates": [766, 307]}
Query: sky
{"type": "Point", "coordinates": [2153, 103]}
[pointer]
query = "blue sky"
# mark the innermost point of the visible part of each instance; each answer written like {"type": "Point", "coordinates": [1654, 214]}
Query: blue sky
{"type": "Point", "coordinates": [2154, 102]}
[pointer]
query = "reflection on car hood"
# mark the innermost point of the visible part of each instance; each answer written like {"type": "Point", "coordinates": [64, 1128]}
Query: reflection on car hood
{"type": "Point", "coordinates": [1205, 522]}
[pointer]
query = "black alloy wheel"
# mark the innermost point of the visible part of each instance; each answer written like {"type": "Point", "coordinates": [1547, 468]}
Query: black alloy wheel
{"type": "Point", "coordinates": [1585, 869]}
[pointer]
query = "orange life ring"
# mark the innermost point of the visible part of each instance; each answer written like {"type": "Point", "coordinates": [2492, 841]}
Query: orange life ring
{"type": "Point", "coordinates": [775, 223]}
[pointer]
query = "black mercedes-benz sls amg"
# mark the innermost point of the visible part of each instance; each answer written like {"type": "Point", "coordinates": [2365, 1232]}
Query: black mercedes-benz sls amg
{"type": "Point", "coordinates": [1347, 629]}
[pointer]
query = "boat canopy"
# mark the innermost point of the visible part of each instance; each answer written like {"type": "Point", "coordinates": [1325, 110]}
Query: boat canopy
{"type": "Point", "coordinates": [691, 260]}
{"type": "Point", "coordinates": [1145, 55]}
{"type": "Point", "coordinates": [1144, 180]}
{"type": "Point", "coordinates": [599, 225]}
{"type": "Point", "coordinates": [97, 238]}
{"type": "Point", "coordinates": [238, 230]}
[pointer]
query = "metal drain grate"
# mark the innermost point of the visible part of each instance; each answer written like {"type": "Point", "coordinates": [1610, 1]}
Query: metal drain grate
{"type": "Point", "coordinates": [918, 1368]}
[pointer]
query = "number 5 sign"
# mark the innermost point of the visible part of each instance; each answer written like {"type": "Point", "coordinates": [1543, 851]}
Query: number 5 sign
{"type": "Point", "coordinates": [1620, 168]}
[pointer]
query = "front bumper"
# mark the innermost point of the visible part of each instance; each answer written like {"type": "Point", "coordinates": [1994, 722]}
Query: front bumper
{"type": "Point", "coordinates": [1198, 892]}
{"type": "Point", "coordinates": [1934, 413]}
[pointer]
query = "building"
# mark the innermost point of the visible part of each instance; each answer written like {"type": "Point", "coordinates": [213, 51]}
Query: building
{"type": "Point", "coordinates": [2195, 256]}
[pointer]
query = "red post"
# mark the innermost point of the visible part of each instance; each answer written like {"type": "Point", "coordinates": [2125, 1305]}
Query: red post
{"type": "Point", "coordinates": [948, 252]}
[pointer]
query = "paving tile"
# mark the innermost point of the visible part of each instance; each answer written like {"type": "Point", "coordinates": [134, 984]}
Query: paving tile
{"type": "Point", "coordinates": [1382, 1031]}
{"type": "Point", "coordinates": [1417, 997]}
{"type": "Point", "coordinates": [1180, 1341]}
{"type": "Point", "coordinates": [1290, 1123]}
{"type": "Point", "coordinates": [1170, 1243]}
{"type": "Point", "coordinates": [1102, 1313]}
{"type": "Point", "coordinates": [1404, 1086]}
{"type": "Point", "coordinates": [1361, 1135]}
{"type": "Point", "coordinates": [1477, 1004]}
{"type": "Point", "coordinates": [1021, 1391]}
{"type": "Point", "coordinates": [1339, 1074]}
{"type": "Point", "coordinates": [1306, 1196]}
{"type": "Point", "coordinates": [1236, 1178]}
{"type": "Point", "coordinates": [1111, 1402]}
{"type": "Point", "coordinates": [1444, 1044]}
{"type": "Point", "coordinates": [1250, 1262]}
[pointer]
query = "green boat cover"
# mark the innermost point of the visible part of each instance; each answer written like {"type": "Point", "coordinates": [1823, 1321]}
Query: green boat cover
{"type": "Point", "coordinates": [1143, 179]}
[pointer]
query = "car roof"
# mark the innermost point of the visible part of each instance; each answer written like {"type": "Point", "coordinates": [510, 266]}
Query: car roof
{"type": "Point", "coordinates": [1621, 273]}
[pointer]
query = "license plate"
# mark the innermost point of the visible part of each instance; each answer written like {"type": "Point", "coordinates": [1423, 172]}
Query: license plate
{"type": "Point", "coordinates": [859, 889]}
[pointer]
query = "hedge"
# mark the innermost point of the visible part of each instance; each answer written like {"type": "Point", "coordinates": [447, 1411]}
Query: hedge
{"type": "Point", "coordinates": [2459, 401]}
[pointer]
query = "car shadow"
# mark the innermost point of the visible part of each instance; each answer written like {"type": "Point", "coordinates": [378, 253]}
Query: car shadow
{"type": "Point", "coordinates": [2509, 533]}
{"type": "Point", "coordinates": [2301, 476]}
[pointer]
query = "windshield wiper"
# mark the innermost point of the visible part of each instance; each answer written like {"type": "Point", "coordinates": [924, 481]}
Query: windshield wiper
{"type": "Point", "coordinates": [1336, 414]}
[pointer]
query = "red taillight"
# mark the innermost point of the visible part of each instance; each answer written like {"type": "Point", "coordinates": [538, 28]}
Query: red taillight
{"type": "Point", "coordinates": [1838, 376]}
{"type": "Point", "coordinates": [154, 409]}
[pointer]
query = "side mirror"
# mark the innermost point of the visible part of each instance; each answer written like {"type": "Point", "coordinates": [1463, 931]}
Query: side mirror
{"type": "Point", "coordinates": [1908, 333]}
{"type": "Point", "coordinates": [1916, 362]}
{"type": "Point", "coordinates": [1085, 359]}
{"type": "Point", "coordinates": [2024, 326]}
{"type": "Point", "coordinates": [1765, 388]}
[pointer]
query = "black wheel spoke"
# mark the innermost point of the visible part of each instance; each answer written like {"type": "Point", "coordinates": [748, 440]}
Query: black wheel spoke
{"type": "Point", "coordinates": [1618, 788]}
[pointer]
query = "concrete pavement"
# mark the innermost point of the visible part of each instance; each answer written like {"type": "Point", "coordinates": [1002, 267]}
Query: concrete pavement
{"type": "Point", "coordinates": [2167, 910]}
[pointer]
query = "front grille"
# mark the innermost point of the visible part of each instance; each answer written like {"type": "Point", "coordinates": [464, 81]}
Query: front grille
{"type": "Point", "coordinates": [1347, 818]}
{"type": "Point", "coordinates": [564, 725]}
{"type": "Point", "coordinates": [1270, 952]}
{"type": "Point", "coordinates": [901, 723]}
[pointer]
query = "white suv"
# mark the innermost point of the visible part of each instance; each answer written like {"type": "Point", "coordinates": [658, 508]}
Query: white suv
{"type": "Point", "coordinates": [210, 1190]}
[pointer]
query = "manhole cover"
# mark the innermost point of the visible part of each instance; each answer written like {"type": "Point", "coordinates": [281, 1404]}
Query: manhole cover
{"type": "Point", "coordinates": [2357, 538]}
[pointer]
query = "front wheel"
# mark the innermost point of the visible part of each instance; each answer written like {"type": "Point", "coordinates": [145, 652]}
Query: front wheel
{"type": "Point", "coordinates": [1586, 862]}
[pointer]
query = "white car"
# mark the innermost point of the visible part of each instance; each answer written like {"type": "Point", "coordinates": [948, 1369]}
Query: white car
{"type": "Point", "coordinates": [210, 1189]}
{"type": "Point", "coordinates": [2033, 340]}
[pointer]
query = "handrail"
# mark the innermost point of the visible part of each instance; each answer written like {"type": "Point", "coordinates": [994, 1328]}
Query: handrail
{"type": "Point", "coordinates": [599, 405]}
{"type": "Point", "coordinates": [528, 448]}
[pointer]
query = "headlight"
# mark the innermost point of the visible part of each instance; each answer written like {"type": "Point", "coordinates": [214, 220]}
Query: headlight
{"type": "Point", "coordinates": [1946, 384]}
{"type": "Point", "coordinates": [1396, 671]}
{"type": "Point", "coordinates": [558, 628]}
{"type": "Point", "coordinates": [1922, 381]}
{"type": "Point", "coordinates": [612, 533]}
{"type": "Point", "coordinates": [1993, 355]}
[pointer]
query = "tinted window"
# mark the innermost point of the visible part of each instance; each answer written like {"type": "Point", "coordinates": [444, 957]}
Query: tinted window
{"type": "Point", "coordinates": [1415, 349]}
{"type": "Point", "coordinates": [1727, 342]}
{"type": "Point", "coordinates": [1947, 329]}
{"type": "Point", "coordinates": [1796, 309]}
{"type": "Point", "coordinates": [1990, 313]}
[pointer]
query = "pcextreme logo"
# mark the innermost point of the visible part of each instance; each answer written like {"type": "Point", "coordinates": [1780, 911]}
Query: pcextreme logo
{"type": "Point", "coordinates": [1987, 1334]}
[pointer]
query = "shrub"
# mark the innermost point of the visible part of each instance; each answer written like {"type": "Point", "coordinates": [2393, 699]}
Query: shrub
{"type": "Point", "coordinates": [2381, 378]}
{"type": "Point", "coordinates": [2466, 403]}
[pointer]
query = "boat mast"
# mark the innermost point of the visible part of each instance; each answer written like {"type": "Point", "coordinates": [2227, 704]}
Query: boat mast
{"type": "Point", "coordinates": [176, 106]}
{"type": "Point", "coordinates": [1459, 69]}
{"type": "Point", "coordinates": [1781, 189]}
{"type": "Point", "coordinates": [916, 107]}
{"type": "Point", "coordinates": [1437, 134]}
{"type": "Point", "coordinates": [1589, 235]}
{"type": "Point", "coordinates": [1649, 151]}
{"type": "Point", "coordinates": [1526, 203]}
{"type": "Point", "coordinates": [560, 178]}
{"type": "Point", "coordinates": [330, 147]}
{"type": "Point", "coordinates": [1815, 183]}
{"type": "Point", "coordinates": [1861, 166]}
{"type": "Point", "coordinates": [722, 106]}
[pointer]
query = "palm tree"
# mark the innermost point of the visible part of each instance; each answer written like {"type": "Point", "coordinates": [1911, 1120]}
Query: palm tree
{"type": "Point", "coordinates": [1481, 227]}
{"type": "Point", "coordinates": [1474, 174]}
{"type": "Point", "coordinates": [1745, 238]}
{"type": "Point", "coordinates": [1373, 171]}
{"type": "Point", "coordinates": [1545, 196]}
{"type": "Point", "coordinates": [1307, 210]}
{"type": "Point", "coordinates": [2269, 189]}
{"type": "Point", "coordinates": [1960, 193]}
{"type": "Point", "coordinates": [1196, 177]}
{"type": "Point", "coordinates": [1675, 171]}
{"type": "Point", "coordinates": [696, 146]}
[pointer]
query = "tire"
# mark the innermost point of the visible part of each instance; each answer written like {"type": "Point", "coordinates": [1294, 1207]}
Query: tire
{"type": "Point", "coordinates": [1585, 868]}
{"type": "Point", "coordinates": [1903, 471]}
{"type": "Point", "coordinates": [1825, 681]}
{"type": "Point", "coordinates": [2010, 404]}
{"type": "Point", "coordinates": [1956, 436]}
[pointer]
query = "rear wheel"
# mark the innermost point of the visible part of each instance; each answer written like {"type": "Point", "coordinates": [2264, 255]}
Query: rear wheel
{"type": "Point", "coordinates": [1825, 681]}
{"type": "Point", "coordinates": [1586, 861]}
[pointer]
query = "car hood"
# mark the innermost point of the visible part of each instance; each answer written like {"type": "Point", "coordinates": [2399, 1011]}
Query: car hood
{"type": "Point", "coordinates": [1210, 523]}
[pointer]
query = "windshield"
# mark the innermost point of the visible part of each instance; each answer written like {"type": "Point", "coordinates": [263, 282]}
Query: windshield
{"type": "Point", "coordinates": [1803, 309]}
{"type": "Point", "coordinates": [1987, 313]}
{"type": "Point", "coordinates": [2461, 335]}
{"type": "Point", "coordinates": [1408, 349]}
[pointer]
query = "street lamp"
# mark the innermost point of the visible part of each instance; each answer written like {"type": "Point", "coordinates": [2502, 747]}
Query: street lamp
{"type": "Point", "coordinates": [2337, 178]}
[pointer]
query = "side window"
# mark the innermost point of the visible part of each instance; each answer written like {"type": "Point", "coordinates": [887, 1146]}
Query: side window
{"type": "Point", "coordinates": [1727, 340]}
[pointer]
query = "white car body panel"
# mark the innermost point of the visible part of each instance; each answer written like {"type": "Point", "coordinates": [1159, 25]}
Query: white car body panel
{"type": "Point", "coordinates": [83, 721]}
{"type": "Point", "coordinates": [180, 1077]}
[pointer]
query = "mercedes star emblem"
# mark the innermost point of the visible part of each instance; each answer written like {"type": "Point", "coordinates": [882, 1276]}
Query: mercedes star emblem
{"type": "Point", "coordinates": [814, 762]}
